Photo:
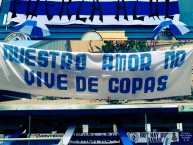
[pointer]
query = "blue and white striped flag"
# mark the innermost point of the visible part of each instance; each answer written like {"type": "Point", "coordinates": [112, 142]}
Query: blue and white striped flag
{"type": "Point", "coordinates": [94, 12]}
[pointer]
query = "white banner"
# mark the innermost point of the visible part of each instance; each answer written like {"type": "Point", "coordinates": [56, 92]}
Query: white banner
{"type": "Point", "coordinates": [153, 137]}
{"type": "Point", "coordinates": [107, 138]}
{"type": "Point", "coordinates": [147, 75]}
{"type": "Point", "coordinates": [91, 12]}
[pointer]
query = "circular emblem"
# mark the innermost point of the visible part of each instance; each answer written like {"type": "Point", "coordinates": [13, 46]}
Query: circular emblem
{"type": "Point", "coordinates": [133, 136]}
{"type": "Point", "coordinates": [92, 35]}
{"type": "Point", "coordinates": [15, 36]}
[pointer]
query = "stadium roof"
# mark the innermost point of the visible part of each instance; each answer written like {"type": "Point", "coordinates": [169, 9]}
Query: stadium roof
{"type": "Point", "coordinates": [84, 109]}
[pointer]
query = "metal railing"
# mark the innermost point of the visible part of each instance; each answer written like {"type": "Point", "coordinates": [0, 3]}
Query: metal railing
{"type": "Point", "coordinates": [31, 141]}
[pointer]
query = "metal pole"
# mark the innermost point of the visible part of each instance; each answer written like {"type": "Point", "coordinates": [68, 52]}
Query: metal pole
{"type": "Point", "coordinates": [147, 134]}
{"type": "Point", "coordinates": [68, 45]}
{"type": "Point", "coordinates": [29, 129]}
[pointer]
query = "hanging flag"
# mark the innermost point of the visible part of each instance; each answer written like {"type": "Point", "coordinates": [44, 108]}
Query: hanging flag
{"type": "Point", "coordinates": [94, 12]}
{"type": "Point", "coordinates": [123, 76]}
{"type": "Point", "coordinates": [33, 28]}
{"type": "Point", "coordinates": [177, 28]}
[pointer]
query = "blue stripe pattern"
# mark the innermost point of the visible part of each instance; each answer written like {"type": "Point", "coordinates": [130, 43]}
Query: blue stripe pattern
{"type": "Point", "coordinates": [108, 8]}
{"type": "Point", "coordinates": [176, 27]}
{"type": "Point", "coordinates": [36, 31]}
{"type": "Point", "coordinates": [124, 137]}
{"type": "Point", "coordinates": [15, 135]}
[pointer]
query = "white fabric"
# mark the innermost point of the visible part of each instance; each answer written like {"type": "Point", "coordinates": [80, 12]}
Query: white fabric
{"type": "Point", "coordinates": [108, 17]}
{"type": "Point", "coordinates": [107, 20]}
{"type": "Point", "coordinates": [136, 137]}
{"type": "Point", "coordinates": [68, 134]}
{"type": "Point", "coordinates": [95, 80]}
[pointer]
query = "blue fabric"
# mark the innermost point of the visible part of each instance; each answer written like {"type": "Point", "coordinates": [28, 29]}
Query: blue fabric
{"type": "Point", "coordinates": [161, 25]}
{"type": "Point", "coordinates": [172, 27]}
{"type": "Point", "coordinates": [26, 23]}
{"type": "Point", "coordinates": [15, 135]}
{"type": "Point", "coordinates": [18, 27]}
{"type": "Point", "coordinates": [30, 23]}
{"type": "Point", "coordinates": [175, 30]}
{"type": "Point", "coordinates": [36, 30]}
{"type": "Point", "coordinates": [108, 8]}
{"type": "Point", "coordinates": [124, 138]}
